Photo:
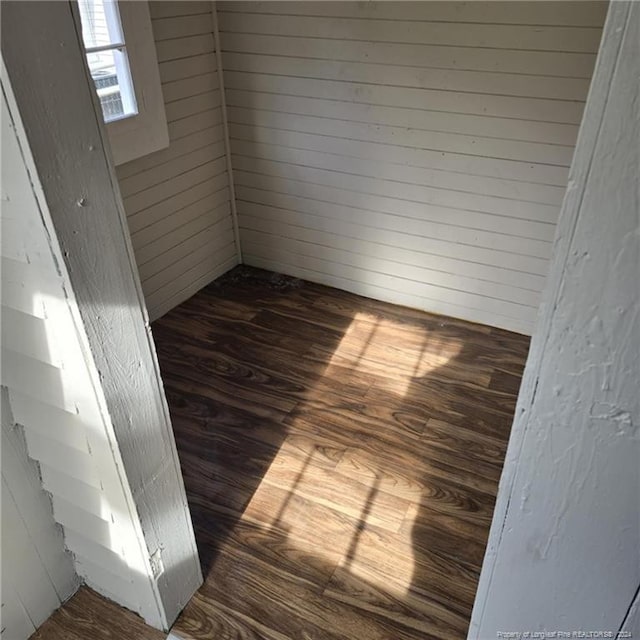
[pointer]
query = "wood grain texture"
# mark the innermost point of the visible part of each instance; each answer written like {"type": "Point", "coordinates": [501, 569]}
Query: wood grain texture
{"type": "Point", "coordinates": [89, 615]}
{"type": "Point", "coordinates": [341, 458]}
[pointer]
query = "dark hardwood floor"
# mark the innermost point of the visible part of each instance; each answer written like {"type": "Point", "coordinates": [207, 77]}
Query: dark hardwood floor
{"type": "Point", "coordinates": [89, 616]}
{"type": "Point", "coordinates": [341, 458]}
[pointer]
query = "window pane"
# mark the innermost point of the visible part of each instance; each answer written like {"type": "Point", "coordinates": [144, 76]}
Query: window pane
{"type": "Point", "coordinates": [100, 23]}
{"type": "Point", "coordinates": [110, 72]}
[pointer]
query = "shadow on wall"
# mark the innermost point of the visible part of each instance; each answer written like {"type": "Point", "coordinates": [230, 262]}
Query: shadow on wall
{"type": "Point", "coordinates": [50, 391]}
{"type": "Point", "coordinates": [54, 391]}
{"type": "Point", "coordinates": [341, 456]}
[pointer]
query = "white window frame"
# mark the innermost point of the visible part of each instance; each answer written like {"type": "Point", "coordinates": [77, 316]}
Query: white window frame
{"type": "Point", "coordinates": [143, 133]}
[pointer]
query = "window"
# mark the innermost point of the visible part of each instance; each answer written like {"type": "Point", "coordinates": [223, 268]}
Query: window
{"type": "Point", "coordinates": [107, 58]}
{"type": "Point", "coordinates": [121, 57]}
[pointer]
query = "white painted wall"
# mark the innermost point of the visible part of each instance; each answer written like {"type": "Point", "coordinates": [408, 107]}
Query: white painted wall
{"type": "Point", "coordinates": [177, 200]}
{"type": "Point", "coordinates": [415, 152]}
{"type": "Point", "coordinates": [564, 548]}
{"type": "Point", "coordinates": [52, 388]}
{"type": "Point", "coordinates": [78, 358]}
{"type": "Point", "coordinates": [37, 571]}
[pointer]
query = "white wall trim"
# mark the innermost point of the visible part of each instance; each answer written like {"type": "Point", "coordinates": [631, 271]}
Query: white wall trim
{"type": "Point", "coordinates": [630, 628]}
{"type": "Point", "coordinates": [225, 126]}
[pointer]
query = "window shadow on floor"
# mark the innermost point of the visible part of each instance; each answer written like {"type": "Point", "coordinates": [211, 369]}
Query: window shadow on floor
{"type": "Point", "coordinates": [340, 456]}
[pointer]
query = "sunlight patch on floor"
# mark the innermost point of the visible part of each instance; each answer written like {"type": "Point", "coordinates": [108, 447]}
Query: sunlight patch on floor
{"type": "Point", "coordinates": [372, 347]}
{"type": "Point", "coordinates": [347, 512]}
{"type": "Point", "coordinates": [339, 504]}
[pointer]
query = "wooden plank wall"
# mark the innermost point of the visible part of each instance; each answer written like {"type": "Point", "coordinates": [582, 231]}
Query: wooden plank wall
{"type": "Point", "coordinates": [50, 383]}
{"type": "Point", "coordinates": [413, 152]}
{"type": "Point", "coordinates": [177, 200]}
{"type": "Point", "coordinates": [37, 571]}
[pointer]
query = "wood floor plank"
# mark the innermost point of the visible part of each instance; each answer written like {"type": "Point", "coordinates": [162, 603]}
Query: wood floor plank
{"type": "Point", "coordinates": [256, 534]}
{"type": "Point", "coordinates": [452, 406]}
{"type": "Point", "coordinates": [417, 615]}
{"type": "Point", "coordinates": [348, 427]}
{"type": "Point", "coordinates": [443, 436]}
{"type": "Point", "coordinates": [343, 493]}
{"type": "Point", "coordinates": [283, 605]}
{"type": "Point", "coordinates": [395, 562]}
{"type": "Point", "coordinates": [415, 479]}
{"type": "Point", "coordinates": [284, 377]}
{"type": "Point", "coordinates": [90, 615]}
{"type": "Point", "coordinates": [240, 391]}
{"type": "Point", "coordinates": [341, 458]}
{"type": "Point", "coordinates": [228, 421]}
{"type": "Point", "coordinates": [506, 382]}
{"type": "Point", "coordinates": [384, 352]}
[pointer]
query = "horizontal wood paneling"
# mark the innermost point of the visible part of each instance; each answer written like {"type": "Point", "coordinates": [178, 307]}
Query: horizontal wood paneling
{"type": "Point", "coordinates": [374, 168]}
{"type": "Point", "coordinates": [349, 259]}
{"type": "Point", "coordinates": [406, 76]}
{"type": "Point", "coordinates": [179, 192]}
{"type": "Point", "coordinates": [200, 237]}
{"type": "Point", "coordinates": [37, 571]}
{"type": "Point", "coordinates": [27, 334]}
{"type": "Point", "coordinates": [438, 198]}
{"type": "Point", "coordinates": [387, 206]}
{"type": "Point", "coordinates": [541, 132]}
{"type": "Point", "coordinates": [443, 142]}
{"type": "Point", "coordinates": [61, 426]}
{"type": "Point", "coordinates": [403, 245]}
{"type": "Point", "coordinates": [578, 65]}
{"type": "Point", "coordinates": [175, 204]}
{"type": "Point", "coordinates": [163, 173]}
{"type": "Point", "coordinates": [531, 12]}
{"type": "Point", "coordinates": [190, 280]}
{"type": "Point", "coordinates": [560, 111]}
{"type": "Point", "coordinates": [78, 493]}
{"type": "Point", "coordinates": [525, 176]}
{"type": "Point", "coordinates": [413, 151]}
{"type": "Point", "coordinates": [161, 231]}
{"type": "Point", "coordinates": [460, 31]}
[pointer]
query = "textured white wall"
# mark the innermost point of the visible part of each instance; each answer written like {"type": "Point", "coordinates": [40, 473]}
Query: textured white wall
{"type": "Point", "coordinates": [415, 152]}
{"type": "Point", "coordinates": [51, 389]}
{"type": "Point", "coordinates": [564, 549]}
{"type": "Point", "coordinates": [81, 369]}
